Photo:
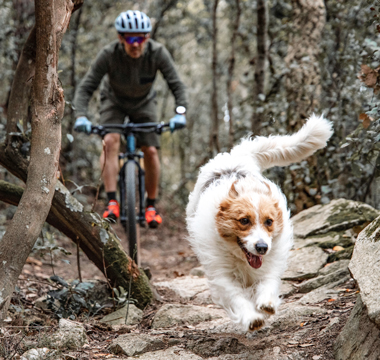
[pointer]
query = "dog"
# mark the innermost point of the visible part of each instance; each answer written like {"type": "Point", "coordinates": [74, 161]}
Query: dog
{"type": "Point", "coordinates": [239, 224]}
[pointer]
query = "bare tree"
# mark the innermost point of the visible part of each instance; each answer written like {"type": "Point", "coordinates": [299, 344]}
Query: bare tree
{"type": "Point", "coordinates": [260, 64]}
{"type": "Point", "coordinates": [52, 19]}
{"type": "Point", "coordinates": [231, 68]}
{"type": "Point", "coordinates": [214, 134]}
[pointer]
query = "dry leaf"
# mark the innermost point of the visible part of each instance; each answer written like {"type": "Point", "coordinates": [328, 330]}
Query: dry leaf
{"type": "Point", "coordinates": [338, 248]}
{"type": "Point", "coordinates": [330, 300]}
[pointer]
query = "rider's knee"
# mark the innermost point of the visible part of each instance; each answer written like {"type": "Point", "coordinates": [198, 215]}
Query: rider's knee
{"type": "Point", "coordinates": [149, 151]}
{"type": "Point", "coordinates": [112, 142]}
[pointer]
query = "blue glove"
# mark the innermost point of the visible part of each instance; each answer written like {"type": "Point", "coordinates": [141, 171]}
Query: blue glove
{"type": "Point", "coordinates": [82, 124]}
{"type": "Point", "coordinates": [177, 122]}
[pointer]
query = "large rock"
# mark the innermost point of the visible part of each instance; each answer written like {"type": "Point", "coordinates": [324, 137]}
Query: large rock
{"type": "Point", "coordinates": [118, 317]}
{"type": "Point", "coordinates": [36, 354]}
{"type": "Point", "coordinates": [71, 335]}
{"type": "Point", "coordinates": [188, 287]}
{"type": "Point", "coordinates": [338, 215]}
{"type": "Point", "coordinates": [305, 263]}
{"type": "Point", "coordinates": [173, 353]}
{"type": "Point", "coordinates": [365, 268]}
{"type": "Point", "coordinates": [173, 315]}
{"type": "Point", "coordinates": [321, 280]}
{"type": "Point", "coordinates": [135, 344]}
{"type": "Point", "coordinates": [360, 337]}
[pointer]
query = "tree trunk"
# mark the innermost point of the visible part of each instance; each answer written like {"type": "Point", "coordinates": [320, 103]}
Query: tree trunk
{"type": "Point", "coordinates": [95, 238]}
{"type": "Point", "coordinates": [52, 17]}
{"type": "Point", "coordinates": [303, 87]}
{"type": "Point", "coordinates": [231, 68]}
{"type": "Point", "coordinates": [303, 82]}
{"type": "Point", "coordinates": [214, 135]}
{"type": "Point", "coordinates": [261, 57]}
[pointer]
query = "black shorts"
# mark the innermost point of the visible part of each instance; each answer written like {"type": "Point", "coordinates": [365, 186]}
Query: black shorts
{"type": "Point", "coordinates": [111, 113]}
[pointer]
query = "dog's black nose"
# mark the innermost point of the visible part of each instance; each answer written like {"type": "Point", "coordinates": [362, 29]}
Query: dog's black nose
{"type": "Point", "coordinates": [261, 248]}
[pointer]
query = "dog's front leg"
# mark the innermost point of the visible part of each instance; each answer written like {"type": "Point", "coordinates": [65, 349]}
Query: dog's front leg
{"type": "Point", "coordinates": [238, 303]}
{"type": "Point", "coordinates": [267, 295]}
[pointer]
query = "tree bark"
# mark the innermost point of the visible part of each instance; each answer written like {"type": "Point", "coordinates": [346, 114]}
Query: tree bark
{"type": "Point", "coordinates": [261, 58]}
{"type": "Point", "coordinates": [303, 88]}
{"type": "Point", "coordinates": [214, 135]}
{"type": "Point", "coordinates": [95, 238]}
{"type": "Point", "coordinates": [47, 112]}
{"type": "Point", "coordinates": [231, 68]}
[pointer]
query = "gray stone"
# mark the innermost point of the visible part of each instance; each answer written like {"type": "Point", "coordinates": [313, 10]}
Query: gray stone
{"type": "Point", "coordinates": [207, 346]}
{"type": "Point", "coordinates": [360, 337]}
{"type": "Point", "coordinates": [187, 287]}
{"type": "Point", "coordinates": [305, 263]}
{"type": "Point", "coordinates": [41, 303]}
{"type": "Point", "coordinates": [335, 266]}
{"type": "Point", "coordinates": [118, 317]}
{"type": "Point", "coordinates": [293, 314]}
{"type": "Point", "coordinates": [319, 281]}
{"type": "Point", "coordinates": [287, 289]}
{"type": "Point", "coordinates": [338, 215]}
{"type": "Point", "coordinates": [71, 335]}
{"type": "Point", "coordinates": [323, 292]}
{"type": "Point", "coordinates": [173, 353]}
{"type": "Point", "coordinates": [198, 271]}
{"type": "Point", "coordinates": [36, 354]}
{"type": "Point", "coordinates": [173, 315]}
{"type": "Point", "coordinates": [135, 344]}
{"type": "Point", "coordinates": [365, 268]}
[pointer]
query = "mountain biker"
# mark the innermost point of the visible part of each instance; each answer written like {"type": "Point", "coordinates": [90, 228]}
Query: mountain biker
{"type": "Point", "coordinates": [126, 70]}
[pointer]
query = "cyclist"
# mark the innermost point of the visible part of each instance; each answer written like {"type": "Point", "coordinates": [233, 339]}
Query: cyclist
{"type": "Point", "coordinates": [125, 70]}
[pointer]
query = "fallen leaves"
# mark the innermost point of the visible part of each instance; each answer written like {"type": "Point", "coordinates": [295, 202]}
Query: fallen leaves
{"type": "Point", "coordinates": [370, 77]}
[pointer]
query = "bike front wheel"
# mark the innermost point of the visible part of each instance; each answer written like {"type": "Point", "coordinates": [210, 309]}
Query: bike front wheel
{"type": "Point", "coordinates": [130, 201]}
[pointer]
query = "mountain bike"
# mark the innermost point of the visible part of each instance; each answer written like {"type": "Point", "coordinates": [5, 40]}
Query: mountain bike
{"type": "Point", "coordinates": [129, 171]}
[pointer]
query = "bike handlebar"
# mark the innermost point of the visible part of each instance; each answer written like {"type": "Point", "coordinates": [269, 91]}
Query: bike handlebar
{"type": "Point", "coordinates": [128, 128]}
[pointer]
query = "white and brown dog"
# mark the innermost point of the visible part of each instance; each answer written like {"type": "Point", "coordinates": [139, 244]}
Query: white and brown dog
{"type": "Point", "coordinates": [239, 223]}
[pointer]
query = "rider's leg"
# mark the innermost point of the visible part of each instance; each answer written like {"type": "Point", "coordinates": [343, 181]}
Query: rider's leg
{"type": "Point", "coordinates": [152, 170]}
{"type": "Point", "coordinates": [109, 161]}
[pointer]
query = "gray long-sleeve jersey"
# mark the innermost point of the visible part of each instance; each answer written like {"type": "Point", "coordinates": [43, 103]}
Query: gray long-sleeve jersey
{"type": "Point", "coordinates": [127, 81]}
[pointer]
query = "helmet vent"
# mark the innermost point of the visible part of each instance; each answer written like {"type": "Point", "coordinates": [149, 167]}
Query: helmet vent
{"type": "Point", "coordinates": [122, 23]}
{"type": "Point", "coordinates": [137, 24]}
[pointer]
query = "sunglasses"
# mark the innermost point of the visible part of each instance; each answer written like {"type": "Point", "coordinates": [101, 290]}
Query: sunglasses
{"type": "Point", "coordinates": [132, 39]}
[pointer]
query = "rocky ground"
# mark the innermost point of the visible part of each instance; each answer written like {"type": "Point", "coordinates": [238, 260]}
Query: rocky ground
{"type": "Point", "coordinates": [183, 323]}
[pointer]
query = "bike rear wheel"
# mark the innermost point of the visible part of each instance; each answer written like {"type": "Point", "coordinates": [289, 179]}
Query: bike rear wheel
{"type": "Point", "coordinates": [130, 202]}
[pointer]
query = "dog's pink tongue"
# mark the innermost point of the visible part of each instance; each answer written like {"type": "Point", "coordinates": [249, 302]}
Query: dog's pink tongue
{"type": "Point", "coordinates": [255, 261]}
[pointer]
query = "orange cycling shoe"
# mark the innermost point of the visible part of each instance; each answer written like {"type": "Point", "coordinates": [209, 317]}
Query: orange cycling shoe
{"type": "Point", "coordinates": [113, 210]}
{"type": "Point", "coordinates": [152, 218]}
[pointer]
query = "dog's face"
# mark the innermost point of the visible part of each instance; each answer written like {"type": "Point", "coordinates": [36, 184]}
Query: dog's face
{"type": "Point", "coordinates": [250, 218]}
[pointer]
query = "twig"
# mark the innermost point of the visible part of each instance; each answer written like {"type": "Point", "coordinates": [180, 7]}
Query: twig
{"type": "Point", "coordinates": [61, 173]}
{"type": "Point", "coordinates": [101, 174]}
{"type": "Point", "coordinates": [78, 260]}
{"type": "Point", "coordinates": [51, 261]}
{"type": "Point", "coordinates": [15, 350]}
{"type": "Point", "coordinates": [130, 285]}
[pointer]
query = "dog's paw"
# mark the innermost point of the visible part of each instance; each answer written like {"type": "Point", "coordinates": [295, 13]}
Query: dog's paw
{"type": "Point", "coordinates": [268, 308]}
{"type": "Point", "coordinates": [256, 324]}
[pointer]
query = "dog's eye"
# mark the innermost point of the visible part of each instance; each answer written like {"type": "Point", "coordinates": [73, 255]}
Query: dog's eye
{"type": "Point", "coordinates": [268, 222]}
{"type": "Point", "coordinates": [244, 221]}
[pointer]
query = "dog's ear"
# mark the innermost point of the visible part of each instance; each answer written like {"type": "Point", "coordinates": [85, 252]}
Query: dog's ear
{"type": "Point", "coordinates": [233, 193]}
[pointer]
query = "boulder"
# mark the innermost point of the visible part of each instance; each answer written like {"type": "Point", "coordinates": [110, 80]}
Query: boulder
{"type": "Point", "coordinates": [365, 268]}
{"type": "Point", "coordinates": [187, 287]}
{"type": "Point", "coordinates": [71, 335]}
{"type": "Point", "coordinates": [118, 317]}
{"type": "Point", "coordinates": [305, 263]}
{"type": "Point", "coordinates": [176, 315]}
{"type": "Point", "coordinates": [36, 354]}
{"type": "Point", "coordinates": [173, 353]}
{"type": "Point", "coordinates": [338, 215]}
{"type": "Point", "coordinates": [360, 337]}
{"type": "Point", "coordinates": [135, 344]}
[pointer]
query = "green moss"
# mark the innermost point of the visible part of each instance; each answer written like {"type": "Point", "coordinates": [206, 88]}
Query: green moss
{"type": "Point", "coordinates": [346, 213]}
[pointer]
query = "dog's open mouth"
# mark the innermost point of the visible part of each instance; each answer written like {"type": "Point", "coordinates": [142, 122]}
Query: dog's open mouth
{"type": "Point", "coordinates": [254, 260]}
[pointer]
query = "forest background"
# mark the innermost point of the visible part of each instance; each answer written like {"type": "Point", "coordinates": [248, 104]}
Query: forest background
{"type": "Point", "coordinates": [258, 67]}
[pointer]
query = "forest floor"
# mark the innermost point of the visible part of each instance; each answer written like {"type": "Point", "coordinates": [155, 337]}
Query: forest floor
{"type": "Point", "coordinates": [168, 255]}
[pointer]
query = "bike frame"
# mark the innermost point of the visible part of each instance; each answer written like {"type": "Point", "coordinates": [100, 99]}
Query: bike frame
{"type": "Point", "coordinates": [132, 155]}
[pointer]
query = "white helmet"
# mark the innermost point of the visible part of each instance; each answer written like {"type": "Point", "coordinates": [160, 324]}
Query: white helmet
{"type": "Point", "coordinates": [133, 21]}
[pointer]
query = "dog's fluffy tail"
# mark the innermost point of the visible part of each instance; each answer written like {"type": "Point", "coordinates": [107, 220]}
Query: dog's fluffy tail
{"type": "Point", "coordinates": [284, 150]}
